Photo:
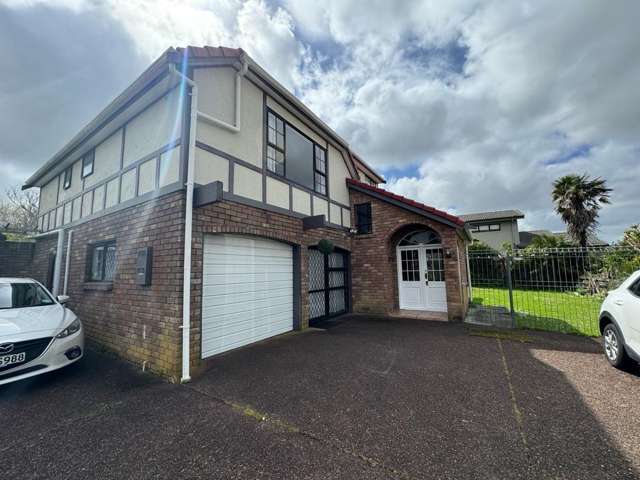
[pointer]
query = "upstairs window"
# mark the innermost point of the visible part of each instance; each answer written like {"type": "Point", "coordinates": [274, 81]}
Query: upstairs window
{"type": "Point", "coordinates": [87, 164]}
{"type": "Point", "coordinates": [364, 223]}
{"type": "Point", "coordinates": [68, 174]}
{"type": "Point", "coordinates": [320, 170]}
{"type": "Point", "coordinates": [275, 144]}
{"type": "Point", "coordinates": [293, 155]}
{"type": "Point", "coordinates": [101, 262]}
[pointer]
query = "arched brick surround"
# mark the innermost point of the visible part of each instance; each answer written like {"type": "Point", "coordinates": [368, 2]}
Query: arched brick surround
{"type": "Point", "coordinates": [374, 267]}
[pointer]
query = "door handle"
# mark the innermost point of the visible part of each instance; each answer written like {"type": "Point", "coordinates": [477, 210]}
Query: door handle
{"type": "Point", "coordinates": [619, 302]}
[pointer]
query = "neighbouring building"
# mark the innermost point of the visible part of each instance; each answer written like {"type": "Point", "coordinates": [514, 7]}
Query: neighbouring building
{"type": "Point", "coordinates": [496, 229]}
{"type": "Point", "coordinates": [207, 208]}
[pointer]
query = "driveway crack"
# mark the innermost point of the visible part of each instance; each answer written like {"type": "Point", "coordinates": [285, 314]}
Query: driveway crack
{"type": "Point", "coordinates": [251, 412]}
{"type": "Point", "coordinates": [512, 395]}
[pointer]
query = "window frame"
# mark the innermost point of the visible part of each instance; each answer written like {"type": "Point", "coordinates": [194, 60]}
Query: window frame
{"type": "Point", "coordinates": [89, 158]}
{"type": "Point", "coordinates": [360, 228]}
{"type": "Point", "coordinates": [317, 171]}
{"type": "Point", "coordinates": [283, 151]}
{"type": "Point", "coordinates": [67, 177]}
{"type": "Point", "coordinates": [91, 248]}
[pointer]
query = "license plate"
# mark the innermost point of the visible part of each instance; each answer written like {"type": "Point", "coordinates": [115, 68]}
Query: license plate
{"type": "Point", "coordinates": [11, 359]}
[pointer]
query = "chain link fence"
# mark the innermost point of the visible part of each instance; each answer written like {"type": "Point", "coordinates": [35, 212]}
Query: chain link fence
{"type": "Point", "coordinates": [555, 289]}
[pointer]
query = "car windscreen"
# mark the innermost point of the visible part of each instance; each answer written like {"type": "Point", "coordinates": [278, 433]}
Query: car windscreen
{"type": "Point", "coordinates": [21, 295]}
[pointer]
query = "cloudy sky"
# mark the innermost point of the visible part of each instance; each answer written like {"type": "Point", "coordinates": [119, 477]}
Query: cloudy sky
{"type": "Point", "coordinates": [464, 105]}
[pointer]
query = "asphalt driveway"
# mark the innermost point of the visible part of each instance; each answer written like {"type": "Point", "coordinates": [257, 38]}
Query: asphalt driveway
{"type": "Point", "coordinates": [366, 398]}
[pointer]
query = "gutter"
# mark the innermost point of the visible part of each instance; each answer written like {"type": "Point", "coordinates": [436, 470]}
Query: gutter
{"type": "Point", "coordinates": [188, 220]}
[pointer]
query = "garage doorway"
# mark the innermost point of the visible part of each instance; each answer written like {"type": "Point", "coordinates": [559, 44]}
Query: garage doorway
{"type": "Point", "coordinates": [247, 291]}
{"type": "Point", "coordinates": [328, 284]}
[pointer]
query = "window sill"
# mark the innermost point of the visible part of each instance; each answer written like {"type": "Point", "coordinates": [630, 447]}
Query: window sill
{"type": "Point", "coordinates": [98, 286]}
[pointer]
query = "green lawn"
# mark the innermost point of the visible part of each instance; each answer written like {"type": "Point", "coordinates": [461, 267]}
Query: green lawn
{"type": "Point", "coordinates": [544, 310]}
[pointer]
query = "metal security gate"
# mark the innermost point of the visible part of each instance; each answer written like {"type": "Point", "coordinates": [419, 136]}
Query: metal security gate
{"type": "Point", "coordinates": [328, 284]}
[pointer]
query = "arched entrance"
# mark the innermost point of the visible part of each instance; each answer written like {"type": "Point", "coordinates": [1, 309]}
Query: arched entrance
{"type": "Point", "coordinates": [421, 282]}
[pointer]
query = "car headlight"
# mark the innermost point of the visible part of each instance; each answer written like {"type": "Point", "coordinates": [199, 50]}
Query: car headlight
{"type": "Point", "coordinates": [70, 330]}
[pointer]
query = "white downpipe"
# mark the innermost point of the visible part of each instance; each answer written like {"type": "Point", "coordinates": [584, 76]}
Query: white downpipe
{"type": "Point", "coordinates": [188, 221]}
{"type": "Point", "coordinates": [67, 262]}
{"type": "Point", "coordinates": [217, 122]}
{"type": "Point", "coordinates": [188, 226]}
{"type": "Point", "coordinates": [57, 265]}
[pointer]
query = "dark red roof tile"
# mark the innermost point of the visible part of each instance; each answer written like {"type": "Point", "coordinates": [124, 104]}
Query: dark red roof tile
{"type": "Point", "coordinates": [407, 201]}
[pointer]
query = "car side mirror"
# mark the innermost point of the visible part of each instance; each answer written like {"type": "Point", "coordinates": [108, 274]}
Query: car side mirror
{"type": "Point", "coordinates": [62, 299]}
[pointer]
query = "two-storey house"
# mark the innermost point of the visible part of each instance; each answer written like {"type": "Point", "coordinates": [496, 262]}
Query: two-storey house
{"type": "Point", "coordinates": [207, 208]}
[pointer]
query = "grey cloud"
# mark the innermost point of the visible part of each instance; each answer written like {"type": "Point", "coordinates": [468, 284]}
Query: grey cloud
{"type": "Point", "coordinates": [60, 68]}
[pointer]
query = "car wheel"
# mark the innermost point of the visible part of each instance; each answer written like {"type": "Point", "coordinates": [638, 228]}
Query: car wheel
{"type": "Point", "coordinates": [614, 346]}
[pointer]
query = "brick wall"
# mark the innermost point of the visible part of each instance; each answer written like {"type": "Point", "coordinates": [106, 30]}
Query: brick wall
{"type": "Point", "coordinates": [375, 279]}
{"type": "Point", "coordinates": [139, 323]}
{"type": "Point", "coordinates": [15, 258]}
{"type": "Point", "coordinates": [231, 217]}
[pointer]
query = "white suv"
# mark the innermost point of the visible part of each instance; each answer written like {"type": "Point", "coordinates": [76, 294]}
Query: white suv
{"type": "Point", "coordinates": [620, 322]}
{"type": "Point", "coordinates": [38, 333]}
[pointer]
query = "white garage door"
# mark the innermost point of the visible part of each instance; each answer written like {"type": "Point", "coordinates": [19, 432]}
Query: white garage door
{"type": "Point", "coordinates": [247, 291]}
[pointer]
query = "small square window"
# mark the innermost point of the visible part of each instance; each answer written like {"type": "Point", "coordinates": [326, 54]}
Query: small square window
{"type": "Point", "coordinates": [101, 262]}
{"type": "Point", "coordinates": [68, 173]}
{"type": "Point", "coordinates": [87, 164]}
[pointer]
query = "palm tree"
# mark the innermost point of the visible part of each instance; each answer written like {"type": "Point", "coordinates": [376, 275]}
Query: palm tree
{"type": "Point", "coordinates": [578, 200]}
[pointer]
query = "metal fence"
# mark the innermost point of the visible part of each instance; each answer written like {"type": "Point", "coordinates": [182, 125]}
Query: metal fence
{"type": "Point", "coordinates": [555, 289]}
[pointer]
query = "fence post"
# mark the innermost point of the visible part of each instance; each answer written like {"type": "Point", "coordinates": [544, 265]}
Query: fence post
{"type": "Point", "coordinates": [510, 287]}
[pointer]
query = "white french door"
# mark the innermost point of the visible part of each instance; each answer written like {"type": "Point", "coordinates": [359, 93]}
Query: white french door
{"type": "Point", "coordinates": [421, 282]}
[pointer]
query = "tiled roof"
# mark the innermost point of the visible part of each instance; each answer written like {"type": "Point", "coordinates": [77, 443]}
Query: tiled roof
{"type": "Point", "coordinates": [407, 201]}
{"type": "Point", "coordinates": [480, 216]}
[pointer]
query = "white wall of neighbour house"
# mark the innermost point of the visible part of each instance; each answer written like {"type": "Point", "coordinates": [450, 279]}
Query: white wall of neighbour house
{"type": "Point", "coordinates": [508, 233]}
{"type": "Point", "coordinates": [136, 158]}
{"type": "Point", "coordinates": [237, 158]}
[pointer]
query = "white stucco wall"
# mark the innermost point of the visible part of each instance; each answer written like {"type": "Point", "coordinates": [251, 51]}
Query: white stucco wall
{"type": "Point", "coordinates": [107, 159]}
{"type": "Point", "coordinates": [211, 168]}
{"type": "Point", "coordinates": [113, 188]}
{"type": "Point", "coordinates": [48, 196]}
{"type": "Point", "coordinates": [169, 167]}
{"type": "Point", "coordinates": [335, 214]}
{"type": "Point", "coordinates": [338, 173]}
{"type": "Point", "coordinates": [128, 185]}
{"type": "Point", "coordinates": [320, 207]}
{"type": "Point", "coordinates": [155, 127]}
{"type": "Point", "coordinates": [147, 177]}
{"type": "Point", "coordinates": [98, 199]}
{"type": "Point", "coordinates": [346, 217]}
{"type": "Point", "coordinates": [301, 201]}
{"type": "Point", "coordinates": [277, 193]}
{"type": "Point", "coordinates": [247, 183]}
{"type": "Point", "coordinates": [247, 143]}
{"type": "Point", "coordinates": [216, 92]}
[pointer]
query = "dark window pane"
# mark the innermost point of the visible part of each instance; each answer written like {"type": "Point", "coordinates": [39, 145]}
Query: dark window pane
{"type": "Point", "coordinates": [299, 153]}
{"type": "Point", "coordinates": [96, 263]}
{"type": "Point", "coordinates": [363, 218]}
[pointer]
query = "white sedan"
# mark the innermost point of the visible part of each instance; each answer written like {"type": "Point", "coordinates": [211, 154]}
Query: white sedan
{"type": "Point", "coordinates": [620, 322]}
{"type": "Point", "coordinates": [38, 333]}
